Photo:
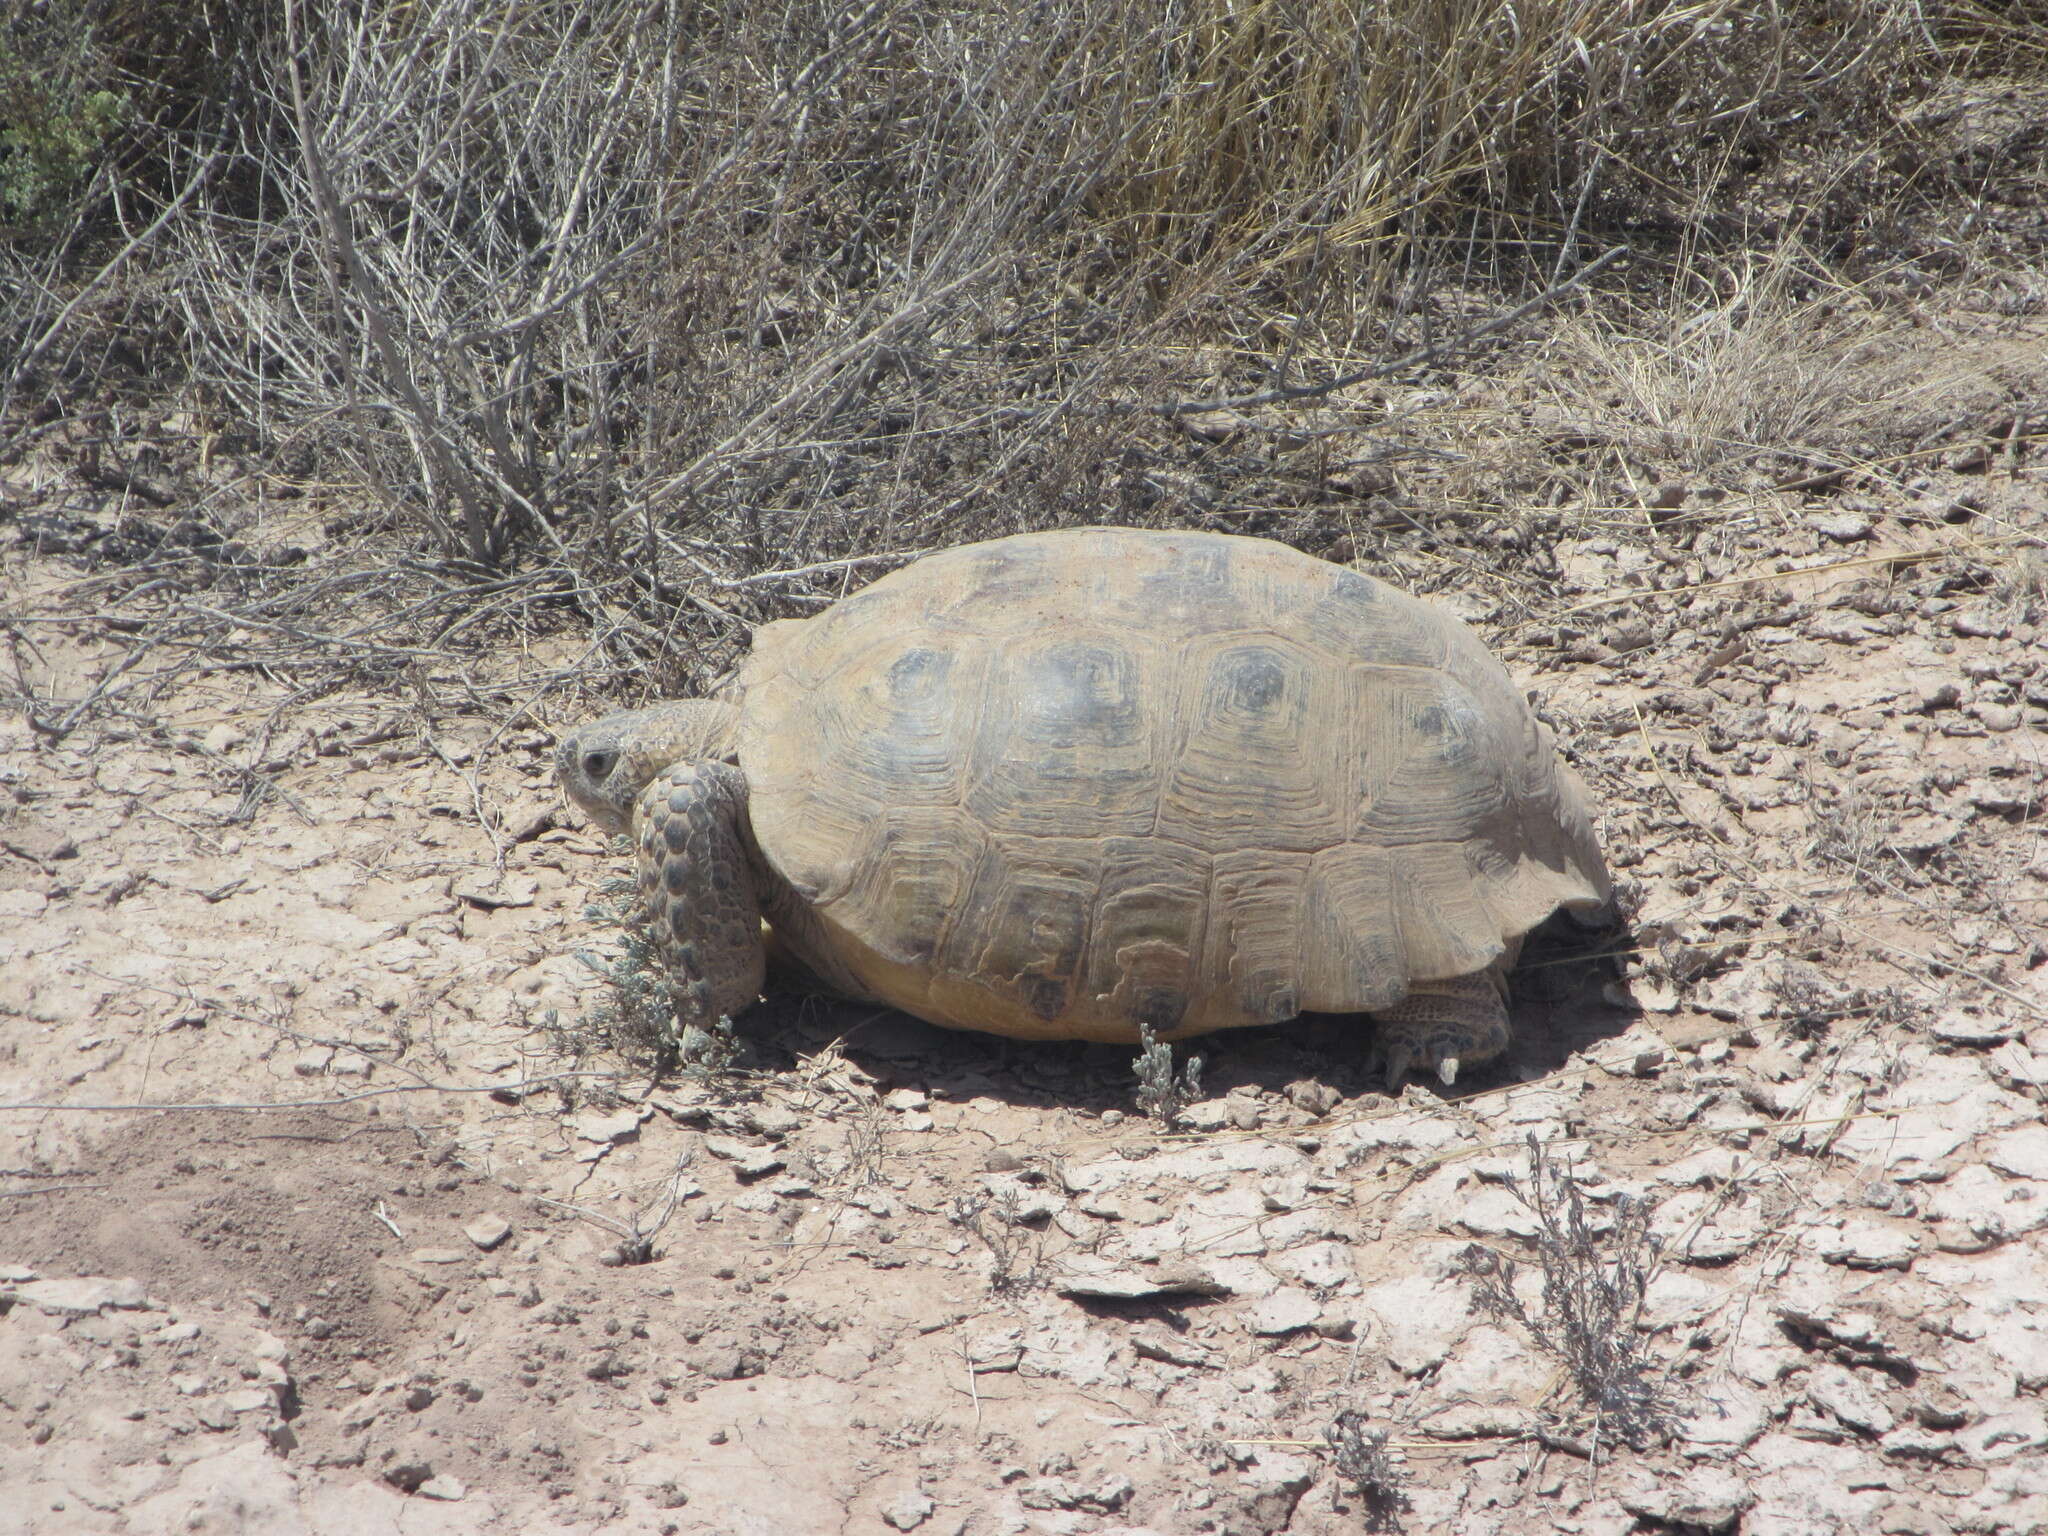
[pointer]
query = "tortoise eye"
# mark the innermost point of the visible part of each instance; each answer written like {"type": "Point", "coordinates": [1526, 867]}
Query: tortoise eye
{"type": "Point", "coordinates": [599, 765]}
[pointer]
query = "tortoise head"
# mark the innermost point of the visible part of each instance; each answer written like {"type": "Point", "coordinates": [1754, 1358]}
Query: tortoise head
{"type": "Point", "coordinates": [603, 766]}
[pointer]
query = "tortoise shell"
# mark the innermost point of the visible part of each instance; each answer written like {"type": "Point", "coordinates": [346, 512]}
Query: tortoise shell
{"type": "Point", "coordinates": [1066, 784]}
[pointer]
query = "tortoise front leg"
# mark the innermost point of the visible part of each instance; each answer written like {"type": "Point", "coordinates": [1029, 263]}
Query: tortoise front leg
{"type": "Point", "coordinates": [699, 887]}
{"type": "Point", "coordinates": [1444, 1025]}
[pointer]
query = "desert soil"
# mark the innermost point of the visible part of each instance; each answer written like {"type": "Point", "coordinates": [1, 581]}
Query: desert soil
{"type": "Point", "coordinates": [367, 1264]}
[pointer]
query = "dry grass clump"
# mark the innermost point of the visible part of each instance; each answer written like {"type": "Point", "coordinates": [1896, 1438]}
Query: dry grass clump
{"type": "Point", "coordinates": [1738, 363]}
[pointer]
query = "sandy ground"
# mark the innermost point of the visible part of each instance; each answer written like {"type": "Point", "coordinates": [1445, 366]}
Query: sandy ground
{"type": "Point", "coordinates": [915, 1281]}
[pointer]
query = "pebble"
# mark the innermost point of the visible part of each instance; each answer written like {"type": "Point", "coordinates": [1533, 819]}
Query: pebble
{"type": "Point", "coordinates": [1085, 1274]}
{"type": "Point", "coordinates": [1972, 1030]}
{"type": "Point", "coordinates": [1869, 1245]}
{"type": "Point", "coordinates": [908, 1510]}
{"type": "Point", "coordinates": [488, 1231]}
{"type": "Point", "coordinates": [1209, 1115]}
{"type": "Point", "coordinates": [1844, 1393]}
{"type": "Point", "coordinates": [1288, 1310]}
{"type": "Point", "coordinates": [748, 1162]}
{"type": "Point", "coordinates": [1155, 1342]}
{"type": "Point", "coordinates": [437, 1255]}
{"type": "Point", "coordinates": [606, 1130]}
{"type": "Point", "coordinates": [1980, 623]}
{"type": "Point", "coordinates": [1842, 527]}
{"type": "Point", "coordinates": [1708, 1499]}
{"type": "Point", "coordinates": [2002, 1436]}
{"type": "Point", "coordinates": [79, 1298]}
{"type": "Point", "coordinates": [2022, 1153]}
{"type": "Point", "coordinates": [443, 1487]}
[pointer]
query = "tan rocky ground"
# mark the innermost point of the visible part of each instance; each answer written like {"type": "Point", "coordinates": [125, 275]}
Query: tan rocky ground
{"type": "Point", "coordinates": [946, 1284]}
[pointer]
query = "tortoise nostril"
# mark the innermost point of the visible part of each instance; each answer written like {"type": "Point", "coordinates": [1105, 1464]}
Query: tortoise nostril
{"type": "Point", "coordinates": [598, 765]}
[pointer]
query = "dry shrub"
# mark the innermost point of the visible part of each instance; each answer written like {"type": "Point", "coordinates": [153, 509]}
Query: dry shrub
{"type": "Point", "coordinates": [674, 317]}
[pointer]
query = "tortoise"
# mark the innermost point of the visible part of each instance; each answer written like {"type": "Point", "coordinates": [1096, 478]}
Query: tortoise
{"type": "Point", "coordinates": [1097, 782]}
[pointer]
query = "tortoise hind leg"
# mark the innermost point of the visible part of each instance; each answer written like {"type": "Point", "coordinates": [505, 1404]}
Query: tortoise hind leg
{"type": "Point", "coordinates": [1443, 1025]}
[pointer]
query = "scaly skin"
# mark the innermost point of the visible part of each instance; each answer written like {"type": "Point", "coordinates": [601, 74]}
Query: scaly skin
{"type": "Point", "coordinates": [665, 774]}
{"type": "Point", "coordinates": [698, 884]}
{"type": "Point", "coordinates": [1444, 1025]}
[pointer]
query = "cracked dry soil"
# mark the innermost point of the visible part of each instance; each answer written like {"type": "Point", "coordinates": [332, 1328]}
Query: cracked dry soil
{"type": "Point", "coordinates": [914, 1281]}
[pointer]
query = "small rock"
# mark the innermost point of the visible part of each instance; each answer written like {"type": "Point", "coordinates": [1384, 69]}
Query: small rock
{"type": "Point", "coordinates": [1708, 1499]}
{"type": "Point", "coordinates": [445, 1488]}
{"type": "Point", "coordinates": [748, 1162]}
{"type": "Point", "coordinates": [1639, 1051]}
{"type": "Point", "coordinates": [1478, 1421]}
{"type": "Point", "coordinates": [1728, 1414]}
{"type": "Point", "coordinates": [2022, 1152]}
{"type": "Point", "coordinates": [908, 1510]}
{"type": "Point", "coordinates": [1852, 1330]}
{"type": "Point", "coordinates": [1288, 1310]}
{"type": "Point", "coordinates": [1157, 1343]}
{"type": "Point", "coordinates": [1087, 1274]}
{"type": "Point", "coordinates": [608, 1130]}
{"type": "Point", "coordinates": [906, 1098]}
{"type": "Point", "coordinates": [1020, 1201]}
{"type": "Point", "coordinates": [1209, 1115]}
{"type": "Point", "coordinates": [1668, 497]}
{"type": "Point", "coordinates": [1842, 527]}
{"type": "Point", "coordinates": [488, 1231]}
{"type": "Point", "coordinates": [438, 1256]}
{"type": "Point", "coordinates": [419, 1399]}
{"type": "Point", "coordinates": [506, 891]}
{"type": "Point", "coordinates": [1979, 623]}
{"type": "Point", "coordinates": [1973, 459]}
{"type": "Point", "coordinates": [1316, 1098]}
{"type": "Point", "coordinates": [1996, 718]}
{"type": "Point", "coordinates": [2002, 1436]}
{"type": "Point", "coordinates": [1002, 1160]}
{"type": "Point", "coordinates": [81, 1297]}
{"type": "Point", "coordinates": [408, 1476]}
{"type": "Point", "coordinates": [1845, 1394]}
{"type": "Point", "coordinates": [1271, 1487]}
{"type": "Point", "coordinates": [1969, 1029]}
{"type": "Point", "coordinates": [1911, 1442]}
{"type": "Point", "coordinates": [223, 739]}
{"type": "Point", "coordinates": [772, 1121]}
{"type": "Point", "coordinates": [313, 1061]}
{"type": "Point", "coordinates": [1321, 1266]}
{"type": "Point", "coordinates": [1869, 1245]}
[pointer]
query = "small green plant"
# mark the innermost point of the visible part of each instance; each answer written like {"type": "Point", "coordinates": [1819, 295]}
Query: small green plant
{"type": "Point", "coordinates": [647, 1016]}
{"type": "Point", "coordinates": [53, 133]}
{"type": "Point", "coordinates": [1161, 1094]}
{"type": "Point", "coordinates": [1360, 1456]}
{"type": "Point", "coordinates": [1593, 1287]}
{"type": "Point", "coordinates": [1013, 1248]}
